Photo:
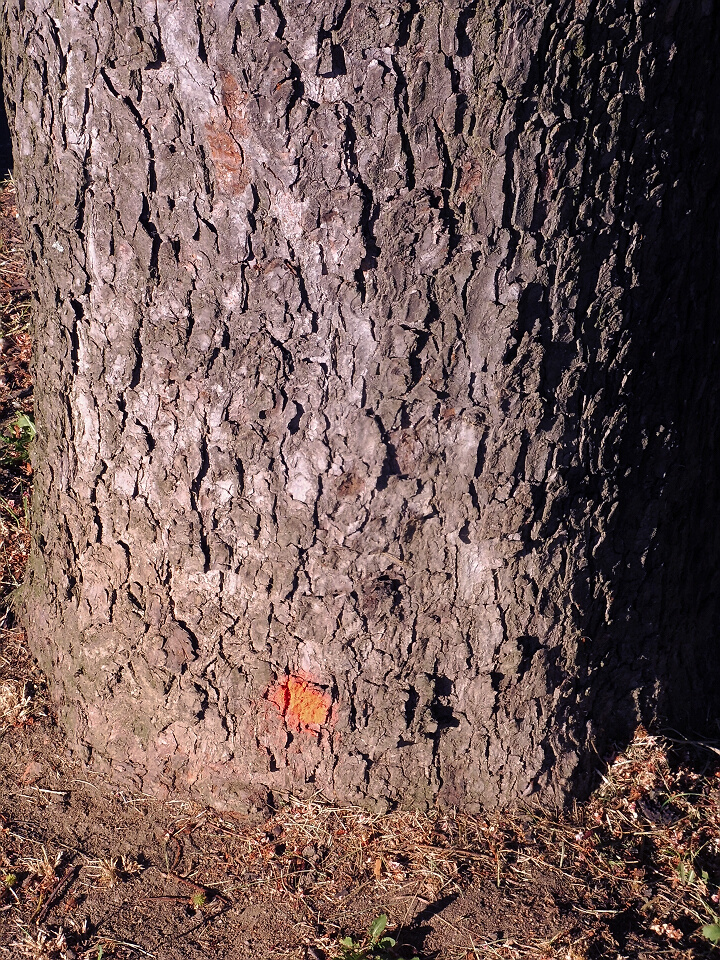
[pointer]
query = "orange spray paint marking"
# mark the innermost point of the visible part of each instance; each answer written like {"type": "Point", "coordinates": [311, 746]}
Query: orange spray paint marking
{"type": "Point", "coordinates": [302, 704]}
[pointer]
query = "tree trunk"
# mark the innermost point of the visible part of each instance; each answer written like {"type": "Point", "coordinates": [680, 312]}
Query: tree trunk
{"type": "Point", "coordinates": [376, 387]}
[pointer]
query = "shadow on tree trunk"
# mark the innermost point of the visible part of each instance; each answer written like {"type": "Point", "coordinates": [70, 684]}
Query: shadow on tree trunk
{"type": "Point", "coordinates": [654, 560]}
{"type": "Point", "coordinates": [5, 143]}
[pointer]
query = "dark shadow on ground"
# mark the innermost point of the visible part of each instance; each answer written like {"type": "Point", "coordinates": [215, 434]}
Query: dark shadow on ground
{"type": "Point", "coordinates": [411, 937]}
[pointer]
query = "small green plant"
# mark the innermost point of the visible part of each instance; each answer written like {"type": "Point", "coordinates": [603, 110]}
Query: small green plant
{"type": "Point", "coordinates": [16, 444]}
{"type": "Point", "coordinates": [687, 874]}
{"type": "Point", "coordinates": [375, 946]}
{"type": "Point", "coordinates": [10, 880]}
{"type": "Point", "coordinates": [199, 900]}
{"type": "Point", "coordinates": [711, 931]}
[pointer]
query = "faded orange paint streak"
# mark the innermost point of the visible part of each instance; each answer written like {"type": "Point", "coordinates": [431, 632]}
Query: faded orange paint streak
{"type": "Point", "coordinates": [303, 705]}
{"type": "Point", "coordinates": [226, 136]}
{"type": "Point", "coordinates": [228, 160]}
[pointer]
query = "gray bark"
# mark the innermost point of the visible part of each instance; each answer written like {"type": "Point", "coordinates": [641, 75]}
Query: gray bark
{"type": "Point", "coordinates": [376, 387]}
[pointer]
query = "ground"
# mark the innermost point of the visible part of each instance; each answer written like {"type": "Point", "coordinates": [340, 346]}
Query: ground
{"type": "Point", "coordinates": [87, 871]}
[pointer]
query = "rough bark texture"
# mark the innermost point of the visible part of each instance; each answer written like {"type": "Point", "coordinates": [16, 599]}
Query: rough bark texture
{"type": "Point", "coordinates": [377, 399]}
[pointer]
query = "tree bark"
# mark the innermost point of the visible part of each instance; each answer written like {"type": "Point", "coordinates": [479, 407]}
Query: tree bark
{"type": "Point", "coordinates": [376, 387]}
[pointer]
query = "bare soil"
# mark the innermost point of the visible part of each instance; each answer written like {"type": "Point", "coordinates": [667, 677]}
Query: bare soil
{"type": "Point", "coordinates": [87, 871]}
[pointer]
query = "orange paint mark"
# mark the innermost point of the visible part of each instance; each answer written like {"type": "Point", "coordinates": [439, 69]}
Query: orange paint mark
{"type": "Point", "coordinates": [303, 705]}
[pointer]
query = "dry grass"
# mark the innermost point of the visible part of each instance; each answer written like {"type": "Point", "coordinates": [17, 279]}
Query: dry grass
{"type": "Point", "coordinates": [15, 396]}
{"type": "Point", "coordinates": [647, 844]}
{"type": "Point", "coordinates": [644, 848]}
{"type": "Point", "coordinates": [111, 871]}
{"type": "Point", "coordinates": [14, 287]}
{"type": "Point", "coordinates": [20, 703]}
